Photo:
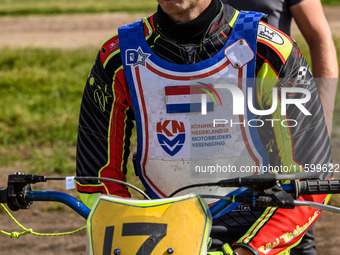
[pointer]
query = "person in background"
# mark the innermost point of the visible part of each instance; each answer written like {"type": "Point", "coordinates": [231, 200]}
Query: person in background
{"type": "Point", "coordinates": [310, 18]}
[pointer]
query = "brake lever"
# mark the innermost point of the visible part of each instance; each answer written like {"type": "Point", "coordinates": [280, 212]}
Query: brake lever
{"type": "Point", "coordinates": [275, 196]}
{"type": "Point", "coordinates": [18, 186]}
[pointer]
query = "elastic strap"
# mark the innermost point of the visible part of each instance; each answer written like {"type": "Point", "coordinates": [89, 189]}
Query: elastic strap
{"type": "Point", "coordinates": [30, 231]}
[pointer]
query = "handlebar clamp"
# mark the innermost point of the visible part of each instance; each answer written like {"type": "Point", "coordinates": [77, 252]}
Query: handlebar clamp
{"type": "Point", "coordinates": [18, 185]}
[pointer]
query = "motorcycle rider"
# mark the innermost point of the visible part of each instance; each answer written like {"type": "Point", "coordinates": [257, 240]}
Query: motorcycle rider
{"type": "Point", "coordinates": [146, 72]}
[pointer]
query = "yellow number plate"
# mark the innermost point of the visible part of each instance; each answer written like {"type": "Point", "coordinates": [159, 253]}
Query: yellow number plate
{"type": "Point", "coordinates": [180, 224]}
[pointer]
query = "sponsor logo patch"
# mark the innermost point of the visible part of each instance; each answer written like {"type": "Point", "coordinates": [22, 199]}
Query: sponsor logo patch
{"type": "Point", "coordinates": [171, 136]}
{"type": "Point", "coordinates": [136, 57]}
{"type": "Point", "coordinates": [270, 34]}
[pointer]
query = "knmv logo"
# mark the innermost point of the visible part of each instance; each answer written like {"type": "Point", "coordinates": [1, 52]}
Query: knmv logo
{"type": "Point", "coordinates": [171, 136]}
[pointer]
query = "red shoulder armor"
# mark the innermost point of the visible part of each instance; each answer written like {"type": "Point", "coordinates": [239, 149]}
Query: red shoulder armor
{"type": "Point", "coordinates": [109, 49]}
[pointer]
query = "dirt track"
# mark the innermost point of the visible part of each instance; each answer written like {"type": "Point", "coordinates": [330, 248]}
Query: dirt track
{"type": "Point", "coordinates": [77, 31]}
{"type": "Point", "coordinates": [74, 31]}
{"type": "Point", "coordinates": [62, 31]}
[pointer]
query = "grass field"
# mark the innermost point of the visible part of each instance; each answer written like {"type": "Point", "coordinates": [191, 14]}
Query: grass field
{"type": "Point", "coordinates": [41, 89]}
{"type": "Point", "coordinates": [25, 7]}
{"type": "Point", "coordinates": [330, 2]}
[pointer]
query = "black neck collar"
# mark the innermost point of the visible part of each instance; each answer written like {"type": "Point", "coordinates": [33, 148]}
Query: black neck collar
{"type": "Point", "coordinates": [190, 32]}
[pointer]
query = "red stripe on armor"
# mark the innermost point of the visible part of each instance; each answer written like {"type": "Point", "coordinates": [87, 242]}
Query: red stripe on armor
{"type": "Point", "coordinates": [101, 189]}
{"type": "Point", "coordinates": [146, 30]}
{"type": "Point", "coordinates": [274, 49]}
{"type": "Point", "coordinates": [224, 34]}
{"type": "Point", "coordinates": [91, 189]}
{"type": "Point", "coordinates": [116, 138]}
{"type": "Point", "coordinates": [151, 23]}
{"type": "Point", "coordinates": [146, 148]}
{"type": "Point", "coordinates": [109, 47]}
{"type": "Point", "coordinates": [259, 223]}
{"type": "Point", "coordinates": [266, 61]}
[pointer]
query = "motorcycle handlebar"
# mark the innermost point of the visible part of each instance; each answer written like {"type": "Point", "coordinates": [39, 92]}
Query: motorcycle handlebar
{"type": "Point", "coordinates": [3, 195]}
{"type": "Point", "coordinates": [19, 196]}
{"type": "Point", "coordinates": [313, 187]}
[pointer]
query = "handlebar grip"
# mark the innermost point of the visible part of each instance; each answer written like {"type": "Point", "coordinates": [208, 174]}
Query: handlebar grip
{"type": "Point", "coordinates": [3, 195]}
{"type": "Point", "coordinates": [312, 187]}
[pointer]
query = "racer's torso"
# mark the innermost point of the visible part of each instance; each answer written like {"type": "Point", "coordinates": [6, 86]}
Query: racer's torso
{"type": "Point", "coordinates": [276, 57]}
{"type": "Point", "coordinates": [108, 111]}
{"type": "Point", "coordinates": [178, 145]}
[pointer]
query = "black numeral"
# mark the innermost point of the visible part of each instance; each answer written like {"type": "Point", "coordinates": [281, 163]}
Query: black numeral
{"type": "Point", "coordinates": [155, 231]}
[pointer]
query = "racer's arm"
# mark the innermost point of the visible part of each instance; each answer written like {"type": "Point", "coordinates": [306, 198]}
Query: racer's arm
{"type": "Point", "coordinates": [105, 126]}
{"type": "Point", "coordinates": [278, 230]}
{"type": "Point", "coordinates": [311, 20]}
